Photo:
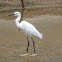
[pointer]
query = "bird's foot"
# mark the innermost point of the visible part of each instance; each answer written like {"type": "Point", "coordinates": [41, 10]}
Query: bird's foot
{"type": "Point", "coordinates": [24, 54]}
{"type": "Point", "coordinates": [33, 54]}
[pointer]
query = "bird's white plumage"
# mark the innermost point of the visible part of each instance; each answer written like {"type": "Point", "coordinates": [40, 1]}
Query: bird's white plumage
{"type": "Point", "coordinates": [28, 28]}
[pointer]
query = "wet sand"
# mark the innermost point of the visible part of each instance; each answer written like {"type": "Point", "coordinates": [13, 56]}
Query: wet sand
{"type": "Point", "coordinates": [13, 42]}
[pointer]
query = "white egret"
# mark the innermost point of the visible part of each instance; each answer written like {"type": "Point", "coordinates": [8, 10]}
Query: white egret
{"type": "Point", "coordinates": [28, 29]}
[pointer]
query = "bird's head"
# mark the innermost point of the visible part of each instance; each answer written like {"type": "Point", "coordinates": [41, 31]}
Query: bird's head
{"type": "Point", "coordinates": [15, 14]}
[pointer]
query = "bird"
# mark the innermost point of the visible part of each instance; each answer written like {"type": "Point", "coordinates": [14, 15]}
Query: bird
{"type": "Point", "coordinates": [28, 29]}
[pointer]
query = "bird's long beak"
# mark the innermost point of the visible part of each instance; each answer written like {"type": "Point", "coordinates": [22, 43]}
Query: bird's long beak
{"type": "Point", "coordinates": [11, 14]}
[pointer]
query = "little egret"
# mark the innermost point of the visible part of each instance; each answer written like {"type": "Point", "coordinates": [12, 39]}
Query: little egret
{"type": "Point", "coordinates": [28, 29]}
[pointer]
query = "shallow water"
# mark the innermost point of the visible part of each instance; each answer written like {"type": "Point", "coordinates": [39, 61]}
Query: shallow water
{"type": "Point", "coordinates": [13, 42]}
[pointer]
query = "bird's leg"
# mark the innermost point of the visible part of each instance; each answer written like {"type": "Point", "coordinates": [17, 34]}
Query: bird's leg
{"type": "Point", "coordinates": [33, 44]}
{"type": "Point", "coordinates": [27, 48]}
{"type": "Point", "coordinates": [34, 47]}
{"type": "Point", "coordinates": [28, 44]}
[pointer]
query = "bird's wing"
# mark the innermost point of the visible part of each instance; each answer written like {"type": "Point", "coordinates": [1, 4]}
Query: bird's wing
{"type": "Point", "coordinates": [30, 29]}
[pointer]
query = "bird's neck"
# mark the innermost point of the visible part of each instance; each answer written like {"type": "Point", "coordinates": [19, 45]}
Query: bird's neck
{"type": "Point", "coordinates": [18, 18]}
{"type": "Point", "coordinates": [17, 21]}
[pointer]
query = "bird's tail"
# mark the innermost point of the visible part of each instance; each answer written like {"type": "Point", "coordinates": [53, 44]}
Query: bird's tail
{"type": "Point", "coordinates": [40, 35]}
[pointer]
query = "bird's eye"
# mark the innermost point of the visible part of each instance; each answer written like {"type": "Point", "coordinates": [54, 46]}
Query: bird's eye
{"type": "Point", "coordinates": [16, 13]}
